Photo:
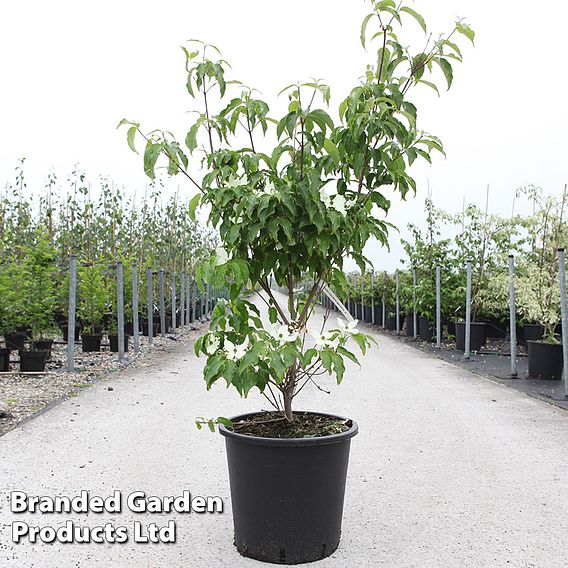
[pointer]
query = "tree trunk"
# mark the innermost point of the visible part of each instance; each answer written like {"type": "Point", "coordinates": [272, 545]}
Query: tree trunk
{"type": "Point", "coordinates": [287, 396]}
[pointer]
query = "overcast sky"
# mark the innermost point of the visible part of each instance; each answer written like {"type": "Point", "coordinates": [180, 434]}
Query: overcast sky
{"type": "Point", "coordinates": [71, 70]}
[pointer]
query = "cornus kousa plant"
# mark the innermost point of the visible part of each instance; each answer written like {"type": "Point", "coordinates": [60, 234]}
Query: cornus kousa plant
{"type": "Point", "coordinates": [295, 209]}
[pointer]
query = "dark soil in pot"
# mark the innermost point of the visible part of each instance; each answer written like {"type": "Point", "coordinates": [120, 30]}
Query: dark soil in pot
{"type": "Point", "coordinates": [33, 361]}
{"type": "Point", "coordinates": [113, 340]}
{"type": "Point", "coordinates": [4, 360]}
{"type": "Point", "coordinates": [477, 338]}
{"type": "Point", "coordinates": [287, 493]}
{"type": "Point", "coordinates": [425, 329]}
{"type": "Point", "coordinates": [43, 345]}
{"type": "Point", "coordinates": [532, 332]}
{"type": "Point", "coordinates": [545, 360]}
{"type": "Point", "coordinates": [91, 342]}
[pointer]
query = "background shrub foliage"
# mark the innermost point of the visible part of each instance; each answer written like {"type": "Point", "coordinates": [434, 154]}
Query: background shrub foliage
{"type": "Point", "coordinates": [297, 207]}
{"type": "Point", "coordinates": [99, 224]}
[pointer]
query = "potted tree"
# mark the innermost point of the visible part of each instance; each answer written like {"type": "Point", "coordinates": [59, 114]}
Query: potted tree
{"type": "Point", "coordinates": [295, 210]}
{"type": "Point", "coordinates": [538, 285]}
{"type": "Point", "coordinates": [92, 304]}
{"type": "Point", "coordinates": [40, 300]}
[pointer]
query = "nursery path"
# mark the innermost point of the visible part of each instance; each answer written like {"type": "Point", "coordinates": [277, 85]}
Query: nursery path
{"type": "Point", "coordinates": [448, 470]}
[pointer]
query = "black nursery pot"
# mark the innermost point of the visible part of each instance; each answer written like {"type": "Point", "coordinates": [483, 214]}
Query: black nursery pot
{"type": "Point", "coordinates": [368, 314]}
{"type": "Point", "coordinates": [287, 494]}
{"type": "Point", "coordinates": [65, 332]}
{"type": "Point", "coordinates": [532, 332]}
{"type": "Point", "coordinates": [33, 361]}
{"type": "Point", "coordinates": [391, 323]}
{"type": "Point", "coordinates": [4, 360]}
{"type": "Point", "coordinates": [44, 345]}
{"type": "Point", "coordinates": [91, 342]}
{"type": "Point", "coordinates": [378, 315]}
{"type": "Point", "coordinates": [409, 325]}
{"type": "Point", "coordinates": [477, 338]}
{"type": "Point", "coordinates": [113, 340]}
{"type": "Point", "coordinates": [425, 329]}
{"type": "Point", "coordinates": [545, 360]}
{"type": "Point", "coordinates": [145, 328]}
{"type": "Point", "coordinates": [15, 341]}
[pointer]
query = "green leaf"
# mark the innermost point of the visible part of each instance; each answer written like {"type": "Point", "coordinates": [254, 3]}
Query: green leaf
{"type": "Point", "coordinates": [193, 205]}
{"type": "Point", "coordinates": [415, 15]}
{"type": "Point", "coordinates": [332, 150]}
{"type": "Point", "coordinates": [225, 422]}
{"type": "Point", "coordinates": [465, 30]}
{"type": "Point", "coordinates": [364, 28]}
{"type": "Point", "coordinates": [272, 314]}
{"type": "Point", "coordinates": [130, 136]}
{"type": "Point", "coordinates": [447, 69]}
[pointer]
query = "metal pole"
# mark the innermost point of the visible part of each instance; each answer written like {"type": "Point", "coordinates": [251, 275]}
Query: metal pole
{"type": "Point", "coordinates": [438, 308]}
{"type": "Point", "coordinates": [384, 303]}
{"type": "Point", "coordinates": [72, 313]}
{"type": "Point", "coordinates": [120, 309]}
{"type": "Point", "coordinates": [362, 299]}
{"type": "Point", "coordinates": [194, 299]}
{"type": "Point", "coordinates": [564, 310]}
{"type": "Point", "coordinates": [161, 276]}
{"type": "Point", "coordinates": [187, 299]}
{"type": "Point", "coordinates": [512, 316]}
{"type": "Point", "coordinates": [373, 297]}
{"type": "Point", "coordinates": [468, 312]}
{"type": "Point", "coordinates": [182, 298]}
{"type": "Point", "coordinates": [397, 315]}
{"type": "Point", "coordinates": [348, 300]}
{"type": "Point", "coordinates": [207, 300]}
{"type": "Point", "coordinates": [415, 318]}
{"type": "Point", "coordinates": [135, 321]}
{"type": "Point", "coordinates": [174, 307]}
{"type": "Point", "coordinates": [149, 277]}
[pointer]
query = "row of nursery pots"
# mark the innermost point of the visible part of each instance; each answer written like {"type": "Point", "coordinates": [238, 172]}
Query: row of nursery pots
{"type": "Point", "coordinates": [545, 359]}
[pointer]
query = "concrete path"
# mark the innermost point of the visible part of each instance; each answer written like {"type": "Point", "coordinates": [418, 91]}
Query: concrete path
{"type": "Point", "coordinates": [449, 470]}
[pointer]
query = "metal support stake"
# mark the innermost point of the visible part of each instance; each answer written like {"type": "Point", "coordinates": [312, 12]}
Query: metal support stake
{"type": "Point", "coordinates": [362, 299]}
{"type": "Point", "coordinates": [415, 318]}
{"type": "Point", "coordinates": [72, 313]}
{"type": "Point", "coordinates": [135, 321]}
{"type": "Point", "coordinates": [174, 306]}
{"type": "Point", "coordinates": [438, 308]}
{"type": "Point", "coordinates": [120, 309]}
{"type": "Point", "coordinates": [161, 276]}
{"type": "Point", "coordinates": [467, 352]}
{"type": "Point", "coordinates": [397, 303]}
{"type": "Point", "coordinates": [182, 299]}
{"type": "Point", "coordinates": [564, 310]}
{"type": "Point", "coordinates": [512, 316]}
{"type": "Point", "coordinates": [187, 299]}
{"type": "Point", "coordinates": [384, 303]}
{"type": "Point", "coordinates": [194, 299]}
{"type": "Point", "coordinates": [149, 277]}
{"type": "Point", "coordinates": [373, 297]}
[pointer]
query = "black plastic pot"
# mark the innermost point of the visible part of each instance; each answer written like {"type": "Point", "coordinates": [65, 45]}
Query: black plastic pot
{"type": "Point", "coordinates": [287, 494]}
{"type": "Point", "coordinates": [145, 328]}
{"type": "Point", "coordinates": [391, 323]}
{"type": "Point", "coordinates": [15, 341]}
{"type": "Point", "coordinates": [4, 360]}
{"type": "Point", "coordinates": [451, 326]}
{"type": "Point", "coordinates": [532, 332]}
{"type": "Point", "coordinates": [33, 361]}
{"type": "Point", "coordinates": [91, 342]}
{"type": "Point", "coordinates": [477, 339]}
{"type": "Point", "coordinates": [425, 329]}
{"type": "Point", "coordinates": [113, 340]}
{"type": "Point", "coordinates": [409, 325]}
{"type": "Point", "coordinates": [495, 328]}
{"type": "Point", "coordinates": [25, 329]}
{"type": "Point", "coordinates": [545, 360]}
{"type": "Point", "coordinates": [368, 314]}
{"type": "Point", "coordinates": [378, 315]}
{"type": "Point", "coordinates": [65, 331]}
{"type": "Point", "coordinates": [44, 345]}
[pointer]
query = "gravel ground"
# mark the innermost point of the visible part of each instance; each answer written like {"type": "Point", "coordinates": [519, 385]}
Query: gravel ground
{"type": "Point", "coordinates": [449, 470]}
{"type": "Point", "coordinates": [24, 395]}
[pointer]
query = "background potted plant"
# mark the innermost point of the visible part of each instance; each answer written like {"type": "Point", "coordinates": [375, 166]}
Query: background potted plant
{"type": "Point", "coordinates": [538, 285]}
{"type": "Point", "coordinates": [289, 211]}
{"type": "Point", "coordinates": [91, 305]}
